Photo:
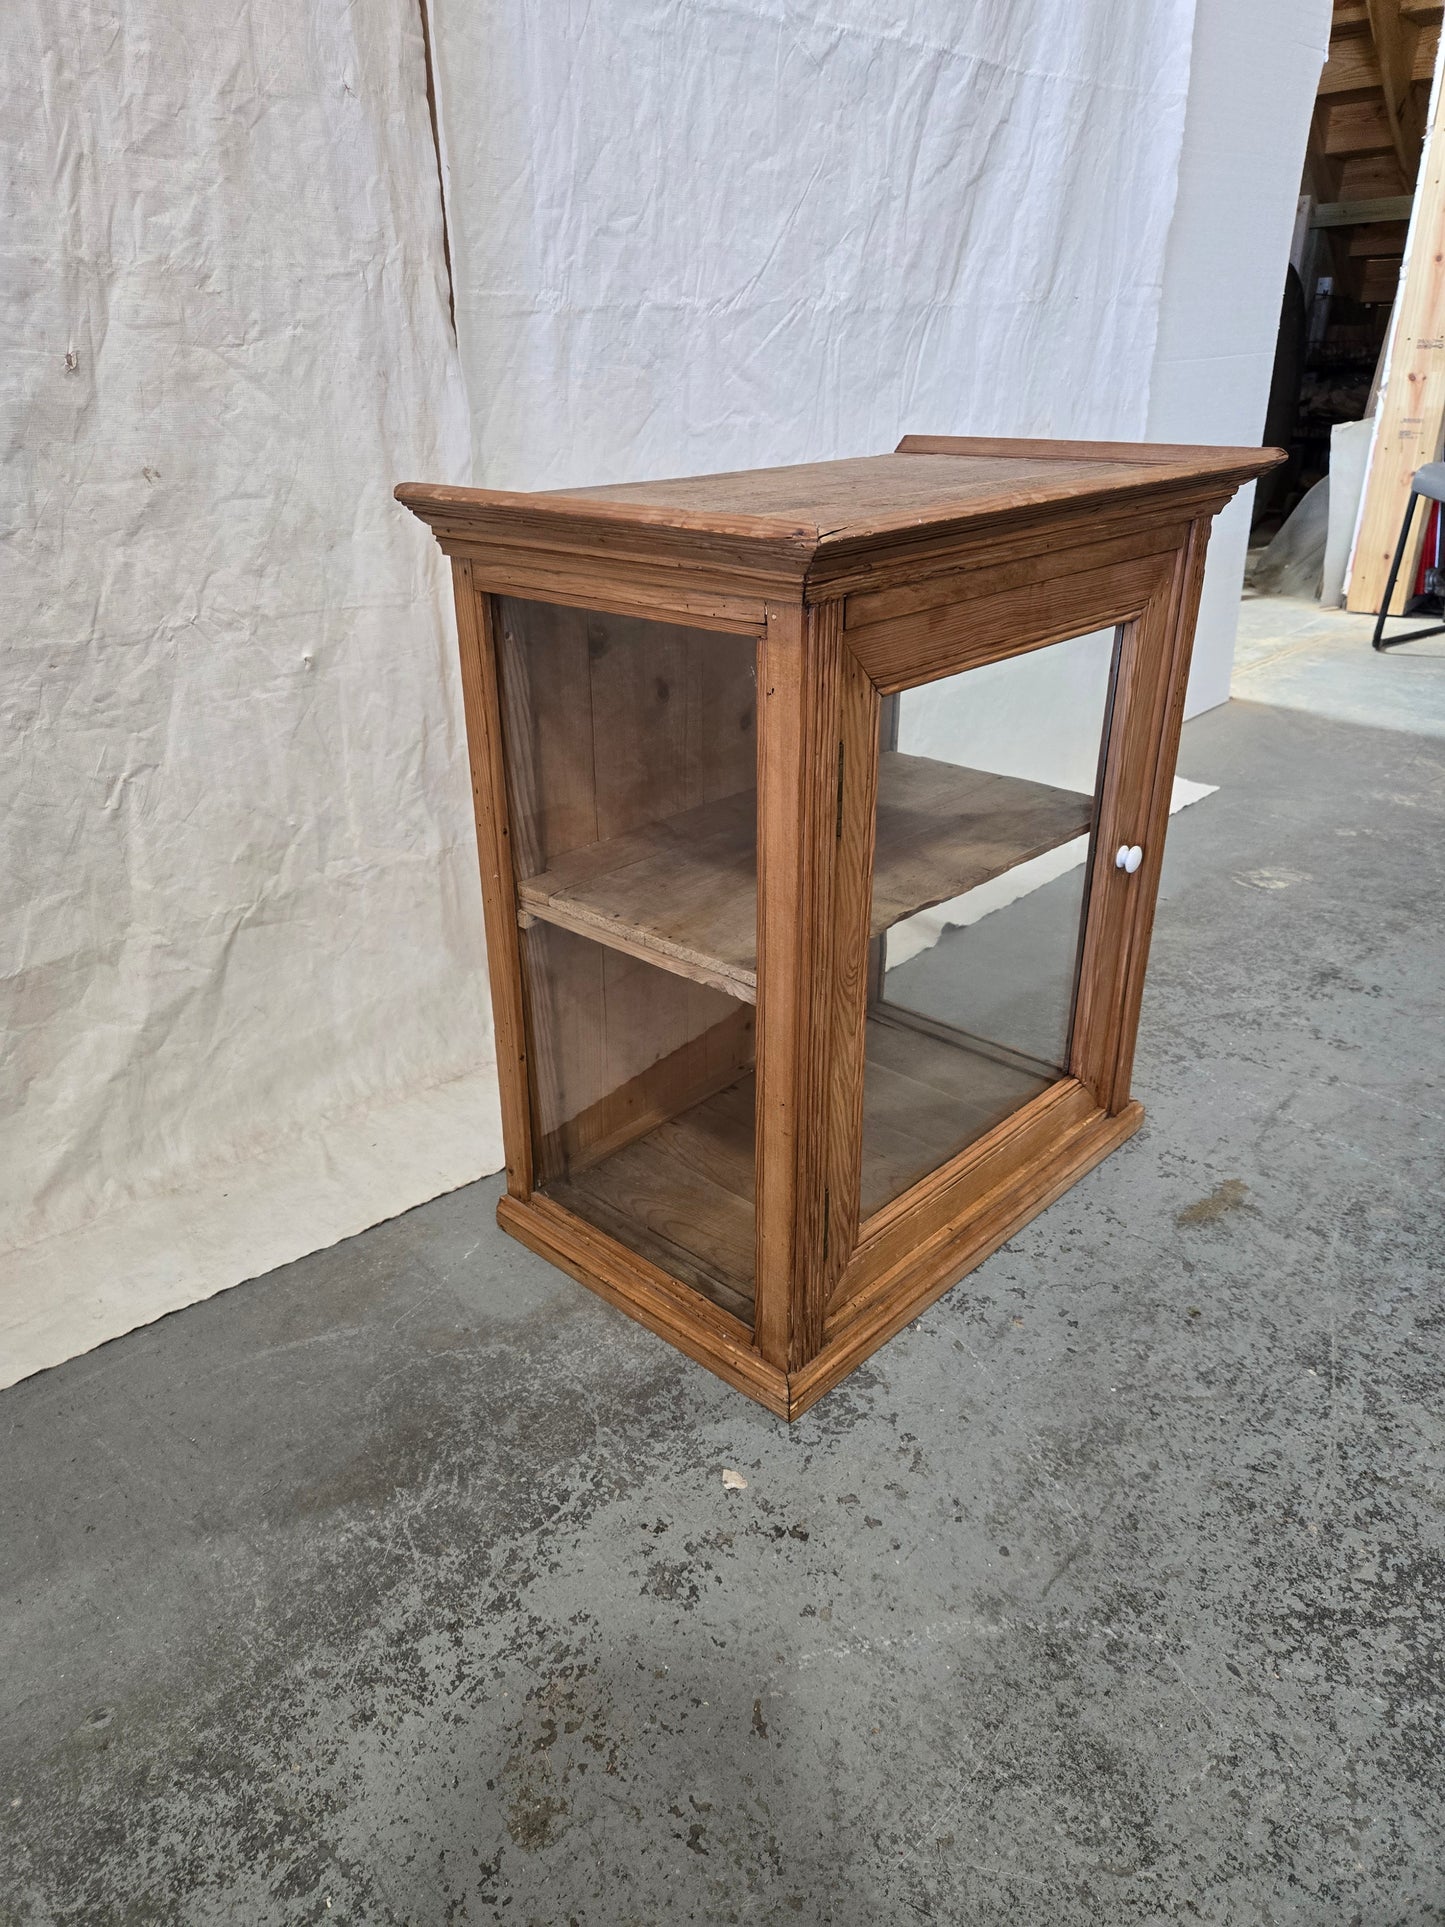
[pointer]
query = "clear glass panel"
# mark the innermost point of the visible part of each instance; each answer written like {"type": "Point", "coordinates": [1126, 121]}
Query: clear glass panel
{"type": "Point", "coordinates": [631, 754]}
{"type": "Point", "coordinates": [986, 807]}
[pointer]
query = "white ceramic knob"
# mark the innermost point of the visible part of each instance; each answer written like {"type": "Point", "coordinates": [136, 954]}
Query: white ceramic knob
{"type": "Point", "coordinates": [1129, 857]}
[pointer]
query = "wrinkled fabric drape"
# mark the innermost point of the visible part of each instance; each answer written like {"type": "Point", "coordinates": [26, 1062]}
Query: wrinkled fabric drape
{"type": "Point", "coordinates": [239, 877]}
{"type": "Point", "coordinates": [696, 234]}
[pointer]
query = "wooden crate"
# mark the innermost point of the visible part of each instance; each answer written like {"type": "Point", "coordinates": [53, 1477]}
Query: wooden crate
{"type": "Point", "coordinates": [734, 739]}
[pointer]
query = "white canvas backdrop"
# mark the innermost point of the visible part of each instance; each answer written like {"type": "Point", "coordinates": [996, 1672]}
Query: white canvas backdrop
{"type": "Point", "coordinates": [242, 1004]}
{"type": "Point", "coordinates": [694, 234]}
{"type": "Point", "coordinates": [241, 1012]}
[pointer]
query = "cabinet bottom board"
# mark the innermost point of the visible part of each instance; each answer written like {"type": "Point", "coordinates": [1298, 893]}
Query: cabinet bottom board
{"type": "Point", "coordinates": [719, 1342]}
{"type": "Point", "coordinates": [682, 1195]}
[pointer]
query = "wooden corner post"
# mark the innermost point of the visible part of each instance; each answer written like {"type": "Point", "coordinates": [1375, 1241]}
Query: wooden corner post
{"type": "Point", "coordinates": [800, 771]}
{"type": "Point", "coordinates": [481, 702]}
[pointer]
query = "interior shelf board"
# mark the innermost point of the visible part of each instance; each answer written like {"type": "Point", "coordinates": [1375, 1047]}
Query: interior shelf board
{"type": "Point", "coordinates": [682, 892]}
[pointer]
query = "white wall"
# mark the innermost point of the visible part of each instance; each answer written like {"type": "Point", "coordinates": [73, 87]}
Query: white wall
{"type": "Point", "coordinates": [651, 280]}
{"type": "Point", "coordinates": [1252, 86]}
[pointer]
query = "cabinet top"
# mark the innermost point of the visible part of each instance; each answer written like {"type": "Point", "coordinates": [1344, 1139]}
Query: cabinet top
{"type": "Point", "coordinates": [936, 479]}
{"type": "Point", "coordinates": [928, 479]}
{"type": "Point", "coordinates": [814, 518]}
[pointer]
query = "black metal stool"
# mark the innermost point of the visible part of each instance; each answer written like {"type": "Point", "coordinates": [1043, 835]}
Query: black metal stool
{"type": "Point", "coordinates": [1426, 484]}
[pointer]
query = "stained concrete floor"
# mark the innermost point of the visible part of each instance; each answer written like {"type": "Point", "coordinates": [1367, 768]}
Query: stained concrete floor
{"type": "Point", "coordinates": [402, 1584]}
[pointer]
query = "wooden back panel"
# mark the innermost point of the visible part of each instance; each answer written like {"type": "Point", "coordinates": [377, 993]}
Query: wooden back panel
{"type": "Point", "coordinates": [613, 722]}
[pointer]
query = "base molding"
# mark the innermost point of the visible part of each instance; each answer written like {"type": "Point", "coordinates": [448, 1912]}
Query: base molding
{"type": "Point", "coordinates": [713, 1338]}
{"type": "Point", "coordinates": [706, 1333]}
{"type": "Point", "coordinates": [925, 1273]}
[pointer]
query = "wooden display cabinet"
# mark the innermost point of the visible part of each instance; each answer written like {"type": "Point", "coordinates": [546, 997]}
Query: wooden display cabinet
{"type": "Point", "coordinates": [821, 812]}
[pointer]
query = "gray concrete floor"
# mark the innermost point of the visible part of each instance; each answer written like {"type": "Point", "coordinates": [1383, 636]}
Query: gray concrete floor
{"type": "Point", "coordinates": [1296, 655]}
{"type": "Point", "coordinates": [402, 1584]}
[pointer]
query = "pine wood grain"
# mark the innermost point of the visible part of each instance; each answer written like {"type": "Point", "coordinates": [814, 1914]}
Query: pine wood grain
{"type": "Point", "coordinates": [973, 1232]}
{"type": "Point", "coordinates": [907, 1223]}
{"type": "Point", "coordinates": [1358, 127]}
{"type": "Point", "coordinates": [1157, 454]}
{"type": "Point", "coordinates": [682, 893]}
{"type": "Point", "coordinates": [798, 736]}
{"type": "Point", "coordinates": [607, 722]}
{"type": "Point", "coordinates": [686, 1318]}
{"type": "Point", "coordinates": [482, 707]}
{"type": "Point", "coordinates": [1150, 792]}
{"type": "Point", "coordinates": [683, 1195]}
{"type": "Point", "coordinates": [1147, 713]}
{"type": "Point", "coordinates": [879, 494]}
{"type": "Point", "coordinates": [862, 735]}
{"type": "Point", "coordinates": [925, 1101]}
{"type": "Point", "coordinates": [992, 625]}
{"type": "Point", "coordinates": [987, 576]}
{"type": "Point", "coordinates": [731, 543]}
{"type": "Point", "coordinates": [682, 1190]}
{"type": "Point", "coordinates": [1371, 177]}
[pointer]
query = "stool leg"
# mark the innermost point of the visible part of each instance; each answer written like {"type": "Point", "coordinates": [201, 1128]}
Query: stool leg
{"type": "Point", "coordinates": [1376, 641]}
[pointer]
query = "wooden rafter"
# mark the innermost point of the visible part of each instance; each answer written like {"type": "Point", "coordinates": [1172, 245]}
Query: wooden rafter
{"type": "Point", "coordinates": [1365, 137]}
{"type": "Point", "coordinates": [1394, 40]}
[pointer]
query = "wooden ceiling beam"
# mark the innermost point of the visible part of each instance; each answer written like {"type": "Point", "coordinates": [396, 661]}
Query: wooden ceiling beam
{"type": "Point", "coordinates": [1351, 68]}
{"type": "Point", "coordinates": [1353, 16]}
{"type": "Point", "coordinates": [1361, 127]}
{"type": "Point", "coordinates": [1388, 207]}
{"type": "Point", "coordinates": [1370, 177]}
{"type": "Point", "coordinates": [1394, 38]}
{"type": "Point", "coordinates": [1379, 282]}
{"type": "Point", "coordinates": [1380, 237]}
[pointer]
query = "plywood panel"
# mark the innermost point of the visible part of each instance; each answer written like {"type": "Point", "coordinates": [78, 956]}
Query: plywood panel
{"type": "Point", "coordinates": [1410, 419]}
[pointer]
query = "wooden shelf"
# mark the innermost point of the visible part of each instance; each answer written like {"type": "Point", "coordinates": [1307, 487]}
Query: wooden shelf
{"type": "Point", "coordinates": [682, 893]}
{"type": "Point", "coordinates": [927, 1095]}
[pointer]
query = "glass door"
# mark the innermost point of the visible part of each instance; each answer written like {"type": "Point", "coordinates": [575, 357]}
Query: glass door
{"type": "Point", "coordinates": [988, 796]}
